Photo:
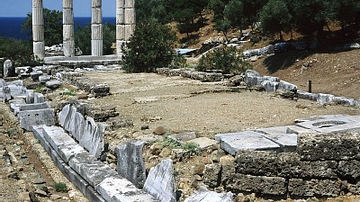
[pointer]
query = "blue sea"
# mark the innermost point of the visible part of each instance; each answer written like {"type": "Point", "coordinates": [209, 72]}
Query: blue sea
{"type": "Point", "coordinates": [11, 26]}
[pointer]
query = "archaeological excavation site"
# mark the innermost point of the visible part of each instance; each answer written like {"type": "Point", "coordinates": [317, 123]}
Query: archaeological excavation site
{"type": "Point", "coordinates": [177, 134]}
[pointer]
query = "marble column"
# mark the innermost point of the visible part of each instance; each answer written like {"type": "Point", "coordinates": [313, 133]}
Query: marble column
{"type": "Point", "coordinates": [68, 28]}
{"type": "Point", "coordinates": [96, 29]}
{"type": "Point", "coordinates": [125, 22]}
{"type": "Point", "coordinates": [38, 29]}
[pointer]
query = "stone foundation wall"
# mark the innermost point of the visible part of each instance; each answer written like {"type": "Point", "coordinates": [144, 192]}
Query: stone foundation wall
{"type": "Point", "coordinates": [324, 165]}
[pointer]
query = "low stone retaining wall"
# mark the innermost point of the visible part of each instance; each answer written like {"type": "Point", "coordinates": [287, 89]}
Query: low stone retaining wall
{"type": "Point", "coordinates": [252, 80]}
{"type": "Point", "coordinates": [324, 165]}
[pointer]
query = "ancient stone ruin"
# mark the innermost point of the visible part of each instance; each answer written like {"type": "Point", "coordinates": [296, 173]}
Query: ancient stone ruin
{"type": "Point", "coordinates": [125, 25]}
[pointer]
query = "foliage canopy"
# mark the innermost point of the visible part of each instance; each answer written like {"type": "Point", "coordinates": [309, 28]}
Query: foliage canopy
{"type": "Point", "coordinates": [150, 47]}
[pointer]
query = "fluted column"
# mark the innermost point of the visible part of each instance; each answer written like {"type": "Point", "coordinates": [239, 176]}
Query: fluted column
{"type": "Point", "coordinates": [38, 29]}
{"type": "Point", "coordinates": [96, 29]}
{"type": "Point", "coordinates": [68, 28]}
{"type": "Point", "coordinates": [125, 22]}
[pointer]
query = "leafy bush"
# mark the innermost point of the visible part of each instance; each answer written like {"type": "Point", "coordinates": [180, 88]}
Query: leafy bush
{"type": "Point", "coordinates": [60, 187]}
{"type": "Point", "coordinates": [226, 59]}
{"type": "Point", "coordinates": [151, 47]}
{"type": "Point", "coordinates": [178, 61]}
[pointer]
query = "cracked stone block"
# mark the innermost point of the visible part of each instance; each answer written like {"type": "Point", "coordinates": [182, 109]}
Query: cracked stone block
{"type": "Point", "coordinates": [160, 182]}
{"type": "Point", "coordinates": [248, 140]}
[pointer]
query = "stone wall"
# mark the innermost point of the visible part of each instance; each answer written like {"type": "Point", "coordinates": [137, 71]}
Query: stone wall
{"type": "Point", "coordinates": [324, 165]}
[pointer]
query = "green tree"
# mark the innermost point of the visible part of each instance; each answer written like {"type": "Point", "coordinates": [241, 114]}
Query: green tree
{"type": "Point", "coordinates": [275, 17]}
{"type": "Point", "coordinates": [18, 51]}
{"type": "Point", "coordinates": [52, 26]}
{"type": "Point", "coordinates": [234, 13]}
{"type": "Point", "coordinates": [310, 16]}
{"type": "Point", "coordinates": [157, 10]}
{"type": "Point", "coordinates": [251, 10]}
{"type": "Point", "coordinates": [151, 46]}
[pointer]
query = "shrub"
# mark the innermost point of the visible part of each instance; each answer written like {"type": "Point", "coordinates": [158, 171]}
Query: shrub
{"type": "Point", "coordinates": [227, 59]}
{"type": "Point", "coordinates": [60, 187]}
{"type": "Point", "coordinates": [20, 52]}
{"type": "Point", "coordinates": [151, 46]}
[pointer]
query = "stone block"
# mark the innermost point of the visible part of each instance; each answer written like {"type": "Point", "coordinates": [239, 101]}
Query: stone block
{"type": "Point", "coordinates": [334, 146]}
{"type": "Point", "coordinates": [204, 195]}
{"type": "Point", "coordinates": [349, 169]}
{"type": "Point", "coordinates": [160, 182]}
{"type": "Point", "coordinates": [93, 138]}
{"type": "Point", "coordinates": [56, 136]}
{"type": "Point", "coordinates": [29, 96]}
{"type": "Point", "coordinates": [7, 68]}
{"type": "Point", "coordinates": [212, 174]}
{"type": "Point", "coordinates": [345, 101]}
{"type": "Point", "coordinates": [35, 75]}
{"type": "Point", "coordinates": [286, 86]}
{"type": "Point", "coordinates": [248, 140]}
{"type": "Point", "coordinates": [325, 99]}
{"type": "Point", "coordinates": [116, 188]}
{"type": "Point", "coordinates": [17, 91]}
{"type": "Point", "coordinates": [252, 73]}
{"type": "Point", "coordinates": [314, 187]}
{"type": "Point", "coordinates": [66, 152]}
{"type": "Point", "coordinates": [53, 84]}
{"type": "Point", "coordinates": [270, 86]}
{"type": "Point", "coordinates": [203, 142]}
{"type": "Point", "coordinates": [130, 162]}
{"type": "Point", "coordinates": [92, 170]}
{"type": "Point", "coordinates": [26, 107]}
{"type": "Point", "coordinates": [307, 95]}
{"type": "Point", "coordinates": [287, 142]}
{"type": "Point", "coordinates": [298, 130]}
{"type": "Point", "coordinates": [257, 184]}
{"type": "Point", "coordinates": [31, 118]}
{"type": "Point", "coordinates": [44, 78]}
{"type": "Point", "coordinates": [331, 124]}
{"type": "Point", "coordinates": [39, 98]}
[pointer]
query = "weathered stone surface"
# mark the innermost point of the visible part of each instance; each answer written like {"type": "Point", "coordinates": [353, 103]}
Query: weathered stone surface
{"type": "Point", "coordinates": [115, 188]}
{"type": "Point", "coordinates": [307, 95]}
{"type": "Point", "coordinates": [35, 75]}
{"type": "Point", "coordinates": [93, 137]}
{"type": "Point", "coordinates": [203, 142]}
{"type": "Point", "coordinates": [160, 182]}
{"type": "Point", "coordinates": [212, 175]}
{"type": "Point", "coordinates": [248, 140]}
{"type": "Point", "coordinates": [325, 99]}
{"type": "Point", "coordinates": [298, 130]}
{"type": "Point", "coordinates": [204, 195]}
{"type": "Point", "coordinates": [332, 123]}
{"type": "Point", "coordinates": [314, 187]}
{"type": "Point", "coordinates": [285, 165]}
{"type": "Point", "coordinates": [56, 137]}
{"type": "Point", "coordinates": [92, 170]}
{"type": "Point", "coordinates": [270, 86]}
{"type": "Point", "coordinates": [31, 118]}
{"type": "Point", "coordinates": [100, 90]}
{"type": "Point", "coordinates": [39, 98]}
{"type": "Point", "coordinates": [286, 86]}
{"type": "Point", "coordinates": [29, 96]}
{"type": "Point", "coordinates": [44, 78]}
{"type": "Point", "coordinates": [257, 184]}
{"type": "Point", "coordinates": [339, 146]}
{"type": "Point", "coordinates": [8, 69]}
{"type": "Point", "coordinates": [287, 142]}
{"type": "Point", "coordinates": [130, 162]}
{"type": "Point", "coordinates": [349, 169]}
{"type": "Point", "coordinates": [53, 84]}
{"type": "Point", "coordinates": [26, 107]}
